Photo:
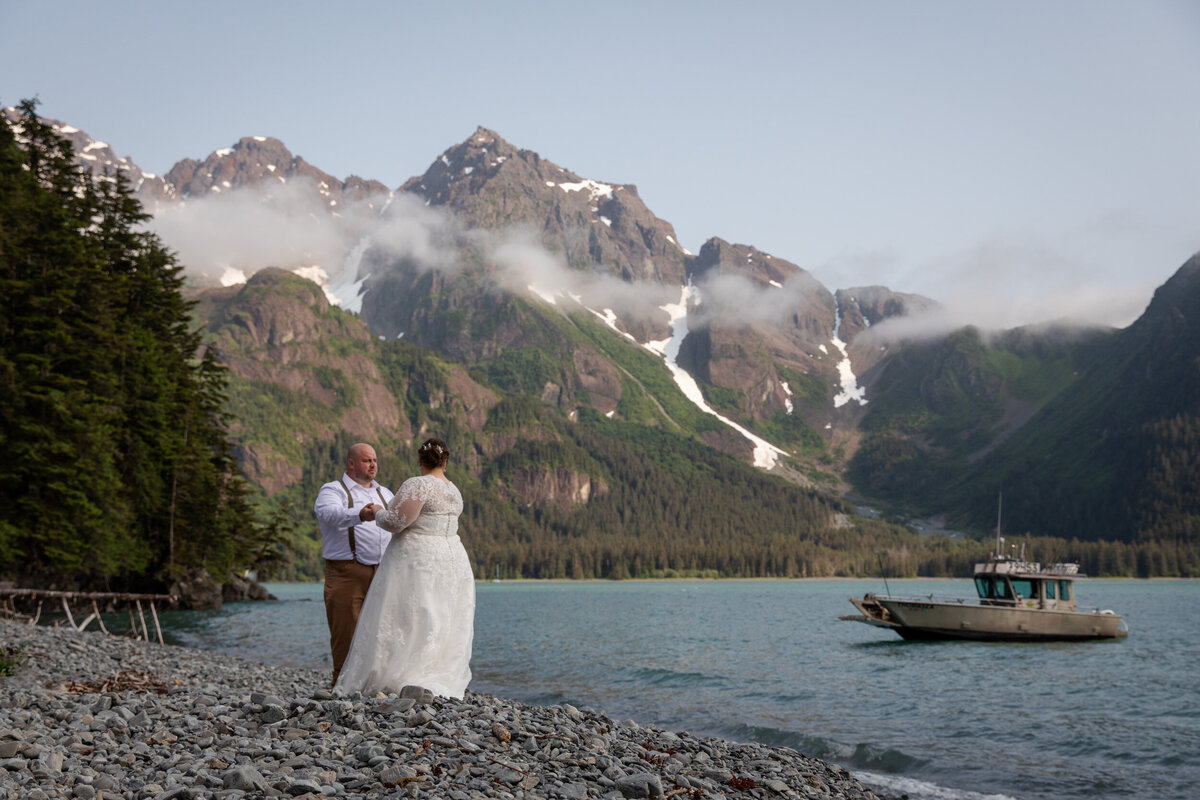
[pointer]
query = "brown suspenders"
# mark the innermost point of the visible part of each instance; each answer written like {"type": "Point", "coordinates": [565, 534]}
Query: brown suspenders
{"type": "Point", "coordinates": [350, 504]}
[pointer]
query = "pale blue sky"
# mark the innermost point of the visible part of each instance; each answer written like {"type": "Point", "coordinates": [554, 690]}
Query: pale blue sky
{"type": "Point", "coordinates": [1017, 159]}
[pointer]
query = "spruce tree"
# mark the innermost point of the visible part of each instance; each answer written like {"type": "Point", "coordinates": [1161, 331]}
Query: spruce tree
{"type": "Point", "coordinates": [113, 448]}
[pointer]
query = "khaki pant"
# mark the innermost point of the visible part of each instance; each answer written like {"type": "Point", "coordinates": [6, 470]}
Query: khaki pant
{"type": "Point", "coordinates": [346, 584]}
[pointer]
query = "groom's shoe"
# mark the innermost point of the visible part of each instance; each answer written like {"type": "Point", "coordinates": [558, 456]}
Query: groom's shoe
{"type": "Point", "coordinates": [419, 694]}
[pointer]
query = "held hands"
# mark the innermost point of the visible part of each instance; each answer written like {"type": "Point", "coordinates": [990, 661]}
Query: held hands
{"type": "Point", "coordinates": [367, 514]}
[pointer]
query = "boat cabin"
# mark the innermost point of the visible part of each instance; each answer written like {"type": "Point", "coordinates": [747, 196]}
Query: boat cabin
{"type": "Point", "coordinates": [1008, 582]}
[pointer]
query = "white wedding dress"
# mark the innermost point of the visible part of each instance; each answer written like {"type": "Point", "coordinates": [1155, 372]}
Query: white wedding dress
{"type": "Point", "coordinates": [418, 619]}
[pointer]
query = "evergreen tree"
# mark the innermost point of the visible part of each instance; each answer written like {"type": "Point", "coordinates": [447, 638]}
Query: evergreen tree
{"type": "Point", "coordinates": [115, 459]}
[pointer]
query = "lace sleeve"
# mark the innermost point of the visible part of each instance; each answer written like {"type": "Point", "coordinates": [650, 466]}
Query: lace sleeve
{"type": "Point", "coordinates": [404, 508]}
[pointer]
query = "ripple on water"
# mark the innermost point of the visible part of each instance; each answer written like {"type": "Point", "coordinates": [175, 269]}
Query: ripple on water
{"type": "Point", "coordinates": [768, 661]}
{"type": "Point", "coordinates": [674, 678]}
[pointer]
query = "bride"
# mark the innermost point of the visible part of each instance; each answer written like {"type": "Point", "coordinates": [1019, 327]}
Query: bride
{"type": "Point", "coordinates": [418, 619]}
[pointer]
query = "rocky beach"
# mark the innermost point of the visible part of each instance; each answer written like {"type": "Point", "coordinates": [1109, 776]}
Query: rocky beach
{"type": "Point", "coordinates": [93, 716]}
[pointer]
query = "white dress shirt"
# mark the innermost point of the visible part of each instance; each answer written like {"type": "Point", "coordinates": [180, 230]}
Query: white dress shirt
{"type": "Point", "coordinates": [336, 516]}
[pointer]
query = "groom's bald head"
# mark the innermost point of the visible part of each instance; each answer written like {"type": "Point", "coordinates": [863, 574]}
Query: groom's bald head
{"type": "Point", "coordinates": [361, 462]}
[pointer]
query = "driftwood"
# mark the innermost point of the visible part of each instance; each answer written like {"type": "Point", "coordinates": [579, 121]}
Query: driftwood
{"type": "Point", "coordinates": [130, 600]}
{"type": "Point", "coordinates": [127, 680]}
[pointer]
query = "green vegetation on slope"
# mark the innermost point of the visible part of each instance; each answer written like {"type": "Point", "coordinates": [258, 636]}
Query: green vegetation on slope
{"type": "Point", "coordinates": [650, 378]}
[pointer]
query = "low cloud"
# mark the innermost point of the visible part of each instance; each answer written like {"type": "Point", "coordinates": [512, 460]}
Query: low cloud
{"type": "Point", "coordinates": [245, 231]}
{"type": "Point", "coordinates": [733, 299]}
{"type": "Point", "coordinates": [226, 237]}
{"type": "Point", "coordinates": [1010, 283]}
{"type": "Point", "coordinates": [525, 265]}
{"type": "Point", "coordinates": [994, 286]}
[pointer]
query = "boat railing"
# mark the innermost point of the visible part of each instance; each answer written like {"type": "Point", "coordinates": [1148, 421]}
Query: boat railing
{"type": "Point", "coordinates": [937, 598]}
{"type": "Point", "coordinates": [978, 601]}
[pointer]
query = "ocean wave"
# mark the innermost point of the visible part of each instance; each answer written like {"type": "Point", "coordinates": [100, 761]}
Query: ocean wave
{"type": "Point", "coordinates": [897, 786]}
{"type": "Point", "coordinates": [800, 742]}
{"type": "Point", "coordinates": [854, 756]}
{"type": "Point", "coordinates": [675, 679]}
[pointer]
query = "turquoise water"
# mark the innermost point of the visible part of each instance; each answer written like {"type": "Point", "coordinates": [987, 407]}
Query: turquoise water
{"type": "Point", "coordinates": [769, 661]}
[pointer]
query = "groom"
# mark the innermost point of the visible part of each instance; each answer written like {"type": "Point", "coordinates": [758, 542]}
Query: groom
{"type": "Point", "coordinates": [351, 544]}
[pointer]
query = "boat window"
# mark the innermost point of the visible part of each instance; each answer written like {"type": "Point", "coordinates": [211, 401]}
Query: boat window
{"type": "Point", "coordinates": [1024, 587]}
{"type": "Point", "coordinates": [992, 588]}
{"type": "Point", "coordinates": [1064, 590]}
{"type": "Point", "coordinates": [1049, 589]}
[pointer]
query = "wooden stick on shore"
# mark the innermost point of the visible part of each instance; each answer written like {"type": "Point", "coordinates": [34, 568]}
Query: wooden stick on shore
{"type": "Point", "coordinates": [157, 629]}
{"type": "Point", "coordinates": [55, 593]}
{"type": "Point", "coordinates": [67, 609]}
{"type": "Point", "coordinates": [142, 614]}
{"type": "Point", "coordinates": [99, 619]}
{"type": "Point", "coordinates": [8, 608]}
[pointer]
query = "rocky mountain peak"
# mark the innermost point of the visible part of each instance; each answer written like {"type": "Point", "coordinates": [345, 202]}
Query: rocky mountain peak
{"type": "Point", "coordinates": [1181, 289]}
{"type": "Point", "coordinates": [103, 162]}
{"type": "Point", "coordinates": [484, 137]}
{"type": "Point", "coordinates": [488, 183]}
{"type": "Point", "coordinates": [265, 163]}
{"type": "Point", "coordinates": [719, 257]}
{"type": "Point", "coordinates": [1170, 325]}
{"type": "Point", "coordinates": [864, 306]}
{"type": "Point", "coordinates": [465, 167]}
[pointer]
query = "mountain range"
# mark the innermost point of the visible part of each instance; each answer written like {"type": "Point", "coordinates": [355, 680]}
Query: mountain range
{"type": "Point", "coordinates": [537, 317]}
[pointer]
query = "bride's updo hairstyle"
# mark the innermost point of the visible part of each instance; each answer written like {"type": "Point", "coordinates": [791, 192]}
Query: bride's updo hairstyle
{"type": "Point", "coordinates": [433, 454]}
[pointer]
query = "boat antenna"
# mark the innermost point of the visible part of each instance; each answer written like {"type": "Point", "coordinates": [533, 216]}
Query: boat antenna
{"type": "Point", "coordinates": [999, 510]}
{"type": "Point", "coordinates": [883, 572]}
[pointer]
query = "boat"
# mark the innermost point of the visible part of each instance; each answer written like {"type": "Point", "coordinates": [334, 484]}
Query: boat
{"type": "Point", "coordinates": [1016, 600]}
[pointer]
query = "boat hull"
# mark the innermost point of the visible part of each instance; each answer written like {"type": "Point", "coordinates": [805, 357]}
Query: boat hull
{"type": "Point", "coordinates": [916, 618]}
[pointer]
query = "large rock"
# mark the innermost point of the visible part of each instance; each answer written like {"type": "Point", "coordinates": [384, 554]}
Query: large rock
{"type": "Point", "coordinates": [197, 590]}
{"type": "Point", "coordinates": [239, 588]}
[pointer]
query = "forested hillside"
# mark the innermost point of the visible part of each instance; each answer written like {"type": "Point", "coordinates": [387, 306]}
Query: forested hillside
{"type": "Point", "coordinates": [116, 469]}
{"type": "Point", "coordinates": [1089, 436]}
{"type": "Point", "coordinates": [149, 438]}
{"type": "Point", "coordinates": [548, 494]}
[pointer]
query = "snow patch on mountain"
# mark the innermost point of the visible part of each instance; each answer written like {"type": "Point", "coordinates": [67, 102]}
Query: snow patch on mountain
{"type": "Point", "coordinates": [850, 388]}
{"type": "Point", "coordinates": [610, 319]}
{"type": "Point", "coordinates": [317, 274]}
{"type": "Point", "coordinates": [866, 322]}
{"type": "Point", "coordinates": [671, 239]}
{"type": "Point", "coordinates": [594, 189]}
{"type": "Point", "coordinates": [232, 276]}
{"type": "Point", "coordinates": [766, 455]}
{"type": "Point", "coordinates": [548, 296]}
{"type": "Point", "coordinates": [347, 290]}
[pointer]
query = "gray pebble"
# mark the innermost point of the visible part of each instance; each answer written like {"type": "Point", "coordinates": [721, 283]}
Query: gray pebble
{"type": "Point", "coordinates": [245, 778]}
{"type": "Point", "coordinates": [642, 784]}
{"type": "Point", "coordinates": [231, 729]}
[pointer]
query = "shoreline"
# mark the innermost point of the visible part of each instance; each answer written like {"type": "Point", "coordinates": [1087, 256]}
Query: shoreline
{"type": "Point", "coordinates": [100, 717]}
{"type": "Point", "coordinates": [540, 581]}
